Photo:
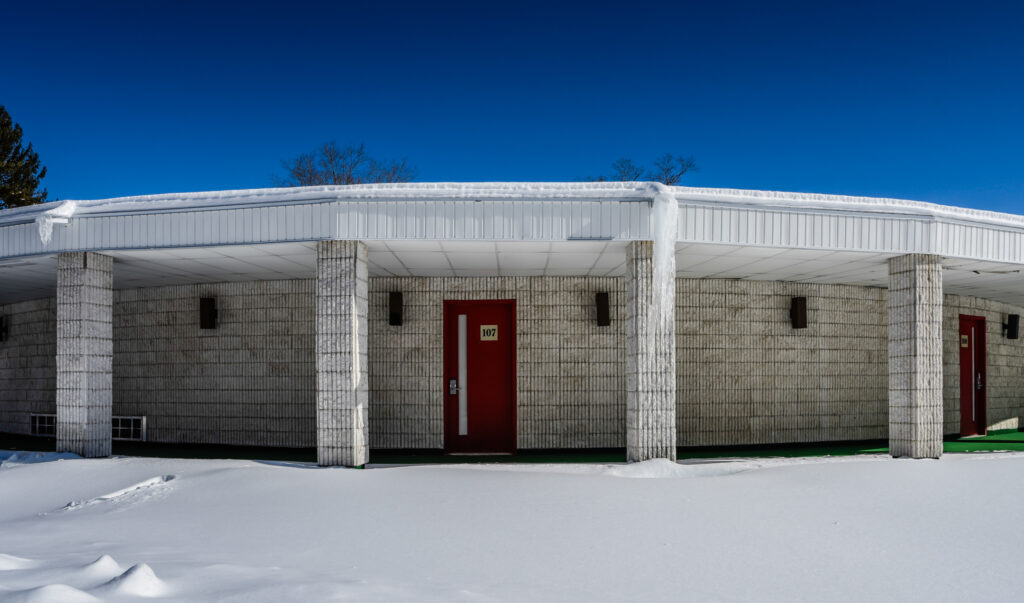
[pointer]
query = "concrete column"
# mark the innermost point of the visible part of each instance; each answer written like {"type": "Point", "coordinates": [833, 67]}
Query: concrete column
{"type": "Point", "coordinates": [342, 436]}
{"type": "Point", "coordinates": [915, 356]}
{"type": "Point", "coordinates": [650, 361]}
{"type": "Point", "coordinates": [84, 353]}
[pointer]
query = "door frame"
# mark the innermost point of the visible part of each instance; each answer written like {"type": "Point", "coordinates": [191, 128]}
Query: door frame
{"type": "Point", "coordinates": [980, 355]}
{"type": "Point", "coordinates": [450, 348]}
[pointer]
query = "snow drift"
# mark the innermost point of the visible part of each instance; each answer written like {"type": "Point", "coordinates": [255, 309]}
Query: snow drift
{"type": "Point", "coordinates": [848, 529]}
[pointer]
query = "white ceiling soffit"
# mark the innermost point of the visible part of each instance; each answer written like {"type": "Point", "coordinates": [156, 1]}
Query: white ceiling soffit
{"type": "Point", "coordinates": [35, 277]}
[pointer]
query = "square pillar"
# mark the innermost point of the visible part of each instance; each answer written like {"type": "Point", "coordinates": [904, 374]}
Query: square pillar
{"type": "Point", "coordinates": [342, 395]}
{"type": "Point", "coordinates": [915, 356]}
{"type": "Point", "coordinates": [84, 353]}
{"type": "Point", "coordinates": [650, 359]}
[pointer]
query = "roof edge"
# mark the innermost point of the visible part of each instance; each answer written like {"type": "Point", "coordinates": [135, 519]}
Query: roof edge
{"type": "Point", "coordinates": [524, 191]}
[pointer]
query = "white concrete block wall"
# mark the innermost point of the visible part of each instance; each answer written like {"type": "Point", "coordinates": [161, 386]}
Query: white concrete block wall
{"type": "Point", "coordinates": [342, 394]}
{"type": "Point", "coordinates": [250, 381]}
{"type": "Point", "coordinates": [84, 353]}
{"type": "Point", "coordinates": [1005, 363]}
{"type": "Point", "coordinates": [650, 362]}
{"type": "Point", "coordinates": [915, 356]}
{"type": "Point", "coordinates": [570, 377]}
{"type": "Point", "coordinates": [746, 376]}
{"type": "Point", "coordinates": [28, 364]}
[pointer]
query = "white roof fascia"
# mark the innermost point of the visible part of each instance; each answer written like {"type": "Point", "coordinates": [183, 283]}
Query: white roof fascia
{"type": "Point", "coordinates": [843, 203]}
{"type": "Point", "coordinates": [513, 212]}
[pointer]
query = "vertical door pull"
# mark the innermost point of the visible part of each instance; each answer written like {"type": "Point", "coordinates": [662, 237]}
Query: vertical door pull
{"type": "Point", "coordinates": [974, 394]}
{"type": "Point", "coordinates": [463, 376]}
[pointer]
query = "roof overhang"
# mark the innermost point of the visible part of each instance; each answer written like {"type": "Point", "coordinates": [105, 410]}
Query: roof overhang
{"type": "Point", "coordinates": [516, 229]}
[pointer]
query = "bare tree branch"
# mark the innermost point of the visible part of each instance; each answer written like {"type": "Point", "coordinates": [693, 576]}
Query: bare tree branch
{"type": "Point", "coordinates": [391, 171]}
{"type": "Point", "coordinates": [332, 164]}
{"type": "Point", "coordinates": [669, 169]}
{"type": "Point", "coordinates": [624, 170]}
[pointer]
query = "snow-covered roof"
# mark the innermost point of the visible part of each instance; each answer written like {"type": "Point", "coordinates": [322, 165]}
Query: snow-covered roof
{"type": "Point", "coordinates": [503, 191]}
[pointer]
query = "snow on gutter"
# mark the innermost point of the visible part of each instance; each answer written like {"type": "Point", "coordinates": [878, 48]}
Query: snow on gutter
{"type": "Point", "coordinates": [58, 215]}
{"type": "Point", "coordinates": [665, 227]}
{"type": "Point", "coordinates": [439, 191]}
{"type": "Point", "coordinates": [843, 203]}
{"type": "Point", "coordinates": [46, 215]}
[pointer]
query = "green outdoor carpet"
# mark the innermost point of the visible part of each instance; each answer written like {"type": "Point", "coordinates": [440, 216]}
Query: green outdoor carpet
{"type": "Point", "coordinates": [994, 441]}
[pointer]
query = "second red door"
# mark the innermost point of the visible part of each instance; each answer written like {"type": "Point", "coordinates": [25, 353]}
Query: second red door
{"type": "Point", "coordinates": [972, 375]}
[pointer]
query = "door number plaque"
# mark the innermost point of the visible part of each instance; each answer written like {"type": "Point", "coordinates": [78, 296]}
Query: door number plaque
{"type": "Point", "coordinates": [488, 332]}
{"type": "Point", "coordinates": [965, 341]}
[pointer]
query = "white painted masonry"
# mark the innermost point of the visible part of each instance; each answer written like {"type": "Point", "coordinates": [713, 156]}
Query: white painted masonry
{"type": "Point", "coordinates": [84, 353]}
{"type": "Point", "coordinates": [744, 375]}
{"type": "Point", "coordinates": [915, 356]}
{"type": "Point", "coordinates": [650, 361]}
{"type": "Point", "coordinates": [1005, 359]}
{"type": "Point", "coordinates": [251, 381]}
{"type": "Point", "coordinates": [342, 391]}
{"type": "Point", "coordinates": [28, 364]}
{"type": "Point", "coordinates": [570, 373]}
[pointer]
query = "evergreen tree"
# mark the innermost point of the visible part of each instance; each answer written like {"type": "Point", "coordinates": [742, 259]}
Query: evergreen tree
{"type": "Point", "coordinates": [20, 171]}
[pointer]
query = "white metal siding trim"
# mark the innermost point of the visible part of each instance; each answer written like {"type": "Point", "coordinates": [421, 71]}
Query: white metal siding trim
{"type": "Point", "coordinates": [524, 220]}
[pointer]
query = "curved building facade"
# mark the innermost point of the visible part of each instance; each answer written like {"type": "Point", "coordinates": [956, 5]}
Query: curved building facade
{"type": "Point", "coordinates": [496, 317]}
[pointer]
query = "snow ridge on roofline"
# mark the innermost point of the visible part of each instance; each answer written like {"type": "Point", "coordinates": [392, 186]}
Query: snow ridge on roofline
{"type": "Point", "coordinates": [788, 200]}
{"type": "Point", "coordinates": [532, 191]}
{"type": "Point", "coordinates": [415, 191]}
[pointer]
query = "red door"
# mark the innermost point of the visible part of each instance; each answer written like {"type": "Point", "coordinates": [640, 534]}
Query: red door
{"type": "Point", "coordinates": [972, 375]}
{"type": "Point", "coordinates": [480, 376]}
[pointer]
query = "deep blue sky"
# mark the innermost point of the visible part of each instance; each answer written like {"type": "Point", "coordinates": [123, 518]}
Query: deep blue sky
{"type": "Point", "coordinates": [913, 100]}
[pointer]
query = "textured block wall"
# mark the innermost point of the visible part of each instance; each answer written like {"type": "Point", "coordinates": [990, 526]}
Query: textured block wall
{"type": "Point", "coordinates": [250, 381]}
{"type": "Point", "coordinates": [745, 376]}
{"type": "Point", "coordinates": [341, 353]}
{"type": "Point", "coordinates": [915, 356]}
{"type": "Point", "coordinates": [28, 364]}
{"type": "Point", "coordinates": [570, 372]}
{"type": "Point", "coordinates": [651, 388]}
{"type": "Point", "coordinates": [84, 353]}
{"type": "Point", "coordinates": [1005, 363]}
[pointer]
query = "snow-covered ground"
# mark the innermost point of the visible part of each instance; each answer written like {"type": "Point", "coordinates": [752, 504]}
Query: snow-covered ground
{"type": "Point", "coordinates": [855, 528]}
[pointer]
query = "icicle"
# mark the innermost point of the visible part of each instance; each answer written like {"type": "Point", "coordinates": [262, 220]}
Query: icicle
{"type": "Point", "coordinates": [665, 228]}
{"type": "Point", "coordinates": [58, 215]}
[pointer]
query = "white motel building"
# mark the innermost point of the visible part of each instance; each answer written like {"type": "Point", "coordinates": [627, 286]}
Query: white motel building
{"type": "Point", "coordinates": [493, 318]}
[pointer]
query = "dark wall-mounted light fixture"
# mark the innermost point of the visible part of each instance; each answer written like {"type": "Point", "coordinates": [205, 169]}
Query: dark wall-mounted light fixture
{"type": "Point", "coordinates": [208, 313]}
{"type": "Point", "coordinates": [4, 327]}
{"type": "Point", "coordinates": [395, 308]}
{"type": "Point", "coordinates": [604, 316]}
{"type": "Point", "coordinates": [798, 312]}
{"type": "Point", "coordinates": [1012, 326]}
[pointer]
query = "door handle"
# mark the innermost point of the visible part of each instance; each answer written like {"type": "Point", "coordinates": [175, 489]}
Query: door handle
{"type": "Point", "coordinates": [453, 387]}
{"type": "Point", "coordinates": [979, 382]}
